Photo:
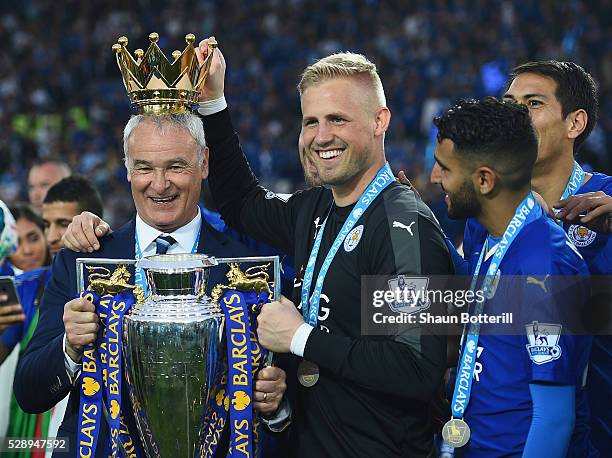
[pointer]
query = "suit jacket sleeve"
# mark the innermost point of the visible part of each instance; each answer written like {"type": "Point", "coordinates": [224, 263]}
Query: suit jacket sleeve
{"type": "Point", "coordinates": [41, 380]}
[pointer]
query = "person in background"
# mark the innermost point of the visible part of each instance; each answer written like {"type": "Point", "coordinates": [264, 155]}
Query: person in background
{"type": "Point", "coordinates": [42, 176]}
{"type": "Point", "coordinates": [9, 313]}
{"type": "Point", "coordinates": [563, 103]}
{"type": "Point", "coordinates": [32, 250]}
{"type": "Point", "coordinates": [65, 199]}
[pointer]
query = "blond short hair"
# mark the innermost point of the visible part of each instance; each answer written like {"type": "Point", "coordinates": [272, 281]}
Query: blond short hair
{"type": "Point", "coordinates": [340, 65]}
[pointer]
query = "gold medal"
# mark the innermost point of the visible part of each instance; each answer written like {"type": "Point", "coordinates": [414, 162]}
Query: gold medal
{"type": "Point", "coordinates": [456, 432]}
{"type": "Point", "coordinates": [308, 373]}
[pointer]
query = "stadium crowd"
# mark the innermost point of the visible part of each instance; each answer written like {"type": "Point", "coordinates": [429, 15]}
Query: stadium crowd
{"type": "Point", "coordinates": [60, 95]}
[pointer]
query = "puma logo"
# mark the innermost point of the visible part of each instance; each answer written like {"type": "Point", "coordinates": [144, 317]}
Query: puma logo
{"type": "Point", "coordinates": [540, 283]}
{"type": "Point", "coordinates": [403, 226]}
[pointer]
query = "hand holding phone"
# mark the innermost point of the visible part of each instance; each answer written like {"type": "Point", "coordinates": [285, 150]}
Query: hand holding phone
{"type": "Point", "coordinates": [11, 311]}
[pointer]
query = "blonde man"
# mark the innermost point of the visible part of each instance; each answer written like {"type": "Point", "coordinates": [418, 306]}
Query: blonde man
{"type": "Point", "coordinates": [355, 395]}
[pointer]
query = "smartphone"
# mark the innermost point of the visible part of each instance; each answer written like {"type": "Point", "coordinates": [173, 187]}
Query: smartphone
{"type": "Point", "coordinates": [7, 287]}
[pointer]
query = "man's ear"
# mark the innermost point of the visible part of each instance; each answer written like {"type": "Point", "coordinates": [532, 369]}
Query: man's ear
{"type": "Point", "coordinates": [205, 163]}
{"type": "Point", "coordinates": [576, 122]}
{"type": "Point", "coordinates": [484, 179]}
{"type": "Point", "coordinates": [382, 120]}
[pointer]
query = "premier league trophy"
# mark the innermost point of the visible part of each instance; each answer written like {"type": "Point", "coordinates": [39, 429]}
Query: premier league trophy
{"type": "Point", "coordinates": [173, 353]}
{"type": "Point", "coordinates": [179, 361]}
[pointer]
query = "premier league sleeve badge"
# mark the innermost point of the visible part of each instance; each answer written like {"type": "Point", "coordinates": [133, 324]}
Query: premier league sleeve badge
{"type": "Point", "coordinates": [410, 294]}
{"type": "Point", "coordinates": [543, 346]}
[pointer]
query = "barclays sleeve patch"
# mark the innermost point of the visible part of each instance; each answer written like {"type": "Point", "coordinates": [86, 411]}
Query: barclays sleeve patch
{"type": "Point", "coordinates": [543, 346]}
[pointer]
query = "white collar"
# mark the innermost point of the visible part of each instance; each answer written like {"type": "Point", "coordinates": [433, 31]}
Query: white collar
{"type": "Point", "coordinates": [185, 235]}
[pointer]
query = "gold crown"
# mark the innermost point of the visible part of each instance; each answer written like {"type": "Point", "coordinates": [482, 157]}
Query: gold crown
{"type": "Point", "coordinates": [154, 84]}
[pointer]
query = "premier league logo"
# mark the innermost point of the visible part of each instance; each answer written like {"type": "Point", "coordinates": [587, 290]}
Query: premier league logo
{"type": "Point", "coordinates": [543, 346]}
{"type": "Point", "coordinates": [580, 235]}
{"type": "Point", "coordinates": [410, 294]}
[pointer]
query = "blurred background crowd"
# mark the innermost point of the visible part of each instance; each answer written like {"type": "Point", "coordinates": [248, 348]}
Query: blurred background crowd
{"type": "Point", "coordinates": [61, 94]}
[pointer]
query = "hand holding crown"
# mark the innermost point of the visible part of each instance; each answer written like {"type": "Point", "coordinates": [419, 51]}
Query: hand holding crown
{"type": "Point", "coordinates": [157, 85]}
{"type": "Point", "coordinates": [214, 85]}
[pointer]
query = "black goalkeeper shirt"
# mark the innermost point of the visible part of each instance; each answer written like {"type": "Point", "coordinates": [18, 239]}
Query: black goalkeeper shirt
{"type": "Point", "coordinates": [372, 396]}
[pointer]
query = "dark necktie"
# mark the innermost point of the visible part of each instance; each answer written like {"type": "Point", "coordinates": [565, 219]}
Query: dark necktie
{"type": "Point", "coordinates": [162, 243]}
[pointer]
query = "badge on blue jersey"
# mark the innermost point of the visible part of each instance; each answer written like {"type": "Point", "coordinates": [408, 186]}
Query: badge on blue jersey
{"type": "Point", "coordinates": [581, 236]}
{"type": "Point", "coordinates": [543, 346]}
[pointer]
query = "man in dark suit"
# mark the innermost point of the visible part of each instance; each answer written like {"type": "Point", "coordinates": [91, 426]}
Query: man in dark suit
{"type": "Point", "coordinates": [167, 159]}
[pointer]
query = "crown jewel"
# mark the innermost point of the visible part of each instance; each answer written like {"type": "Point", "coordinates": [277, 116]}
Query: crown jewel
{"type": "Point", "coordinates": [156, 85]}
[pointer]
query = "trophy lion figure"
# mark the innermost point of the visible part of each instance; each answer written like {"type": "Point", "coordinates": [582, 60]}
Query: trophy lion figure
{"type": "Point", "coordinates": [252, 279]}
{"type": "Point", "coordinates": [103, 282]}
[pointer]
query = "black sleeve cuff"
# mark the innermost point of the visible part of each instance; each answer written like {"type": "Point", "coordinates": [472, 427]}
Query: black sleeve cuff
{"type": "Point", "coordinates": [218, 126]}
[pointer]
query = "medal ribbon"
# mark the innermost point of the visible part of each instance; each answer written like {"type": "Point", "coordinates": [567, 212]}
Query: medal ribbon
{"type": "Point", "coordinates": [310, 307]}
{"type": "Point", "coordinates": [574, 182]}
{"type": "Point", "coordinates": [528, 210]}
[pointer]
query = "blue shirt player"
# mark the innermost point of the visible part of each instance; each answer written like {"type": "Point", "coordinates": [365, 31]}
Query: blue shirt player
{"type": "Point", "coordinates": [512, 392]}
{"type": "Point", "coordinates": [563, 104]}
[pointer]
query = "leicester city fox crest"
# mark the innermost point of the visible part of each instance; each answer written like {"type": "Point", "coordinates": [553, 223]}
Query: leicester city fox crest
{"type": "Point", "coordinates": [352, 239]}
{"type": "Point", "coordinates": [543, 346]}
{"type": "Point", "coordinates": [580, 235]}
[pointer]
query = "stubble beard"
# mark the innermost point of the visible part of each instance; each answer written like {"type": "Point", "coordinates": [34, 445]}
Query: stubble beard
{"type": "Point", "coordinates": [464, 202]}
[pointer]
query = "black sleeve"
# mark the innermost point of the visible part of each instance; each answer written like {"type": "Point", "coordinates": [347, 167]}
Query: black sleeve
{"type": "Point", "coordinates": [41, 380]}
{"type": "Point", "coordinates": [243, 204]}
{"type": "Point", "coordinates": [410, 364]}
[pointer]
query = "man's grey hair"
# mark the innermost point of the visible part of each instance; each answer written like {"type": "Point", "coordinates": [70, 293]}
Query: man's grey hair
{"type": "Point", "coordinates": [187, 121]}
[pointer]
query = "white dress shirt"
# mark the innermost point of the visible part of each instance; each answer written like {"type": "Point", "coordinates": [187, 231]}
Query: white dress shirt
{"type": "Point", "coordinates": [185, 236]}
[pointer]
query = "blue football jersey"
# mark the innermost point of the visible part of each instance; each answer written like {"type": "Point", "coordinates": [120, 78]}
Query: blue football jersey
{"type": "Point", "coordinates": [500, 409]}
{"type": "Point", "coordinates": [596, 249]}
{"type": "Point", "coordinates": [27, 289]}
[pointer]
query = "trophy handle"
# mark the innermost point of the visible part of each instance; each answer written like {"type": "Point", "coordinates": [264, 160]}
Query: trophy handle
{"type": "Point", "coordinates": [276, 281]}
{"type": "Point", "coordinates": [80, 268]}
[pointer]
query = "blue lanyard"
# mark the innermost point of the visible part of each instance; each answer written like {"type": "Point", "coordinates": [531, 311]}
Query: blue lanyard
{"type": "Point", "coordinates": [310, 308]}
{"type": "Point", "coordinates": [139, 278]}
{"type": "Point", "coordinates": [574, 182]}
{"type": "Point", "coordinates": [527, 211]}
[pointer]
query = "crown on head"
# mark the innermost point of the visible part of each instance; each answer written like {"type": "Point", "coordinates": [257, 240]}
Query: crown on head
{"type": "Point", "coordinates": [154, 84]}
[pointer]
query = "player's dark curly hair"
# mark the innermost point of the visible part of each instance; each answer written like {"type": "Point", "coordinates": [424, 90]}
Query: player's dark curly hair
{"type": "Point", "coordinates": [78, 189]}
{"type": "Point", "coordinates": [495, 133]}
{"type": "Point", "coordinates": [576, 89]}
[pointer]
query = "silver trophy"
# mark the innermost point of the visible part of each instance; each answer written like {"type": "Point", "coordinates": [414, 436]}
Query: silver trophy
{"type": "Point", "coordinates": [173, 348]}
